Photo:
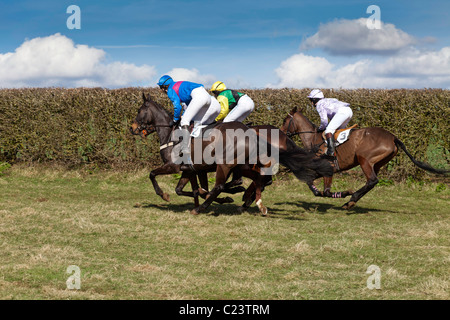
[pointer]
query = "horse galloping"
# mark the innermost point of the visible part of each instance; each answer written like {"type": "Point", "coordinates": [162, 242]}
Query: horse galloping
{"type": "Point", "coordinates": [152, 118]}
{"type": "Point", "coordinates": [306, 166]}
{"type": "Point", "coordinates": [371, 148]}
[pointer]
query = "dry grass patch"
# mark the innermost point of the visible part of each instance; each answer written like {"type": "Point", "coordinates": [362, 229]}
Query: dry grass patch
{"type": "Point", "coordinates": [307, 248]}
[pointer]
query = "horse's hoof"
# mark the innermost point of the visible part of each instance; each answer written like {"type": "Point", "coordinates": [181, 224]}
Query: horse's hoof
{"type": "Point", "coordinates": [264, 211]}
{"type": "Point", "coordinates": [166, 197]}
{"type": "Point", "coordinates": [235, 190]}
{"type": "Point", "coordinates": [195, 211]}
{"type": "Point", "coordinates": [228, 200]}
{"type": "Point", "coordinates": [239, 189]}
{"type": "Point", "coordinates": [236, 182]}
{"type": "Point", "coordinates": [349, 205]}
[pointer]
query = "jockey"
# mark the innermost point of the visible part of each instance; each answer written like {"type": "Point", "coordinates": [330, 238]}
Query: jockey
{"type": "Point", "coordinates": [196, 102]}
{"type": "Point", "coordinates": [339, 113]}
{"type": "Point", "coordinates": [235, 106]}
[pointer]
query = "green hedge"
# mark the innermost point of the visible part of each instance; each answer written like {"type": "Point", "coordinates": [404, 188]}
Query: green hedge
{"type": "Point", "coordinates": [91, 126]}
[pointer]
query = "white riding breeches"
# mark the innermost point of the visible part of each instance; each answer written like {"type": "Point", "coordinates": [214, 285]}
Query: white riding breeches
{"type": "Point", "coordinates": [340, 120]}
{"type": "Point", "coordinates": [197, 108]}
{"type": "Point", "coordinates": [241, 111]}
{"type": "Point", "coordinates": [209, 115]}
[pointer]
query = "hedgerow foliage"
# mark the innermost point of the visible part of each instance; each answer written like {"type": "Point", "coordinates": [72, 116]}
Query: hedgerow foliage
{"type": "Point", "coordinates": [91, 126]}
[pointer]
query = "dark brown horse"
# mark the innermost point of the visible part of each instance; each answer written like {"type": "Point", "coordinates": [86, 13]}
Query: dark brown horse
{"type": "Point", "coordinates": [152, 118]}
{"type": "Point", "coordinates": [371, 148]}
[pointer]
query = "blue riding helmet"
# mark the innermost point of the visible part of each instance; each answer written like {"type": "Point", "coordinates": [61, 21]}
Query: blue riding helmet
{"type": "Point", "coordinates": [165, 81]}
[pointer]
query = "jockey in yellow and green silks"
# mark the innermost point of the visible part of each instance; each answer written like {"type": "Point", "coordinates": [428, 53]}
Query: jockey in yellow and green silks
{"type": "Point", "coordinates": [234, 105]}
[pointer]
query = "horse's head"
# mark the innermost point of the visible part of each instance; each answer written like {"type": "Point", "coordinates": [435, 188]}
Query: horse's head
{"type": "Point", "coordinates": [144, 123]}
{"type": "Point", "coordinates": [289, 126]}
{"type": "Point", "coordinates": [296, 123]}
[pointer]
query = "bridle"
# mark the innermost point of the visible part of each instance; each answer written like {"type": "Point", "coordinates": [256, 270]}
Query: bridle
{"type": "Point", "coordinates": [291, 134]}
{"type": "Point", "coordinates": [147, 129]}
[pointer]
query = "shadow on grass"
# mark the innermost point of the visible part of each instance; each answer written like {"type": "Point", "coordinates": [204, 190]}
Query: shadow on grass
{"type": "Point", "coordinates": [323, 208]}
{"type": "Point", "coordinates": [220, 209]}
{"type": "Point", "coordinates": [214, 209]}
{"type": "Point", "coordinates": [274, 212]}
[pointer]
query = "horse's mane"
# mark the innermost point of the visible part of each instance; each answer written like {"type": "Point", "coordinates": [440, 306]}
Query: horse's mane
{"type": "Point", "coordinates": [161, 109]}
{"type": "Point", "coordinates": [306, 118]}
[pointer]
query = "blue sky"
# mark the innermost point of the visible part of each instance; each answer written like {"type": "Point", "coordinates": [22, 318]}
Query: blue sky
{"type": "Point", "coordinates": [244, 43]}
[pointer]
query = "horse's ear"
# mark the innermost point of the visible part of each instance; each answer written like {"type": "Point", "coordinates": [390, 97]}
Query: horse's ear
{"type": "Point", "coordinates": [293, 111]}
{"type": "Point", "coordinates": [148, 97]}
{"type": "Point", "coordinates": [144, 97]}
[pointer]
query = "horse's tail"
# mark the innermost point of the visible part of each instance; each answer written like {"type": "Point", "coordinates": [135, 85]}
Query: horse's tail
{"type": "Point", "coordinates": [421, 165]}
{"type": "Point", "coordinates": [306, 166]}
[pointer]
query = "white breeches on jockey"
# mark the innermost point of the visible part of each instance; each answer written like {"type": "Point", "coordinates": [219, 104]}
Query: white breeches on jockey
{"type": "Point", "coordinates": [340, 120]}
{"type": "Point", "coordinates": [241, 111]}
{"type": "Point", "coordinates": [208, 116]}
{"type": "Point", "coordinates": [198, 107]}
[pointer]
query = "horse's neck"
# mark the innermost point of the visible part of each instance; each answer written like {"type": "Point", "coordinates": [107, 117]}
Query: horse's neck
{"type": "Point", "coordinates": [310, 136]}
{"type": "Point", "coordinates": [164, 133]}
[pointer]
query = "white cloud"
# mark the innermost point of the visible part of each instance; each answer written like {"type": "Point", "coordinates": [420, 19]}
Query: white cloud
{"type": "Point", "coordinates": [415, 69]}
{"type": "Point", "coordinates": [183, 74]}
{"type": "Point", "coordinates": [301, 70]}
{"type": "Point", "coordinates": [353, 37]}
{"type": "Point", "coordinates": [56, 61]}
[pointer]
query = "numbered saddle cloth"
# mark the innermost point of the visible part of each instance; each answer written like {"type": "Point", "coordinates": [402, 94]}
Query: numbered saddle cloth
{"type": "Point", "coordinates": [341, 135]}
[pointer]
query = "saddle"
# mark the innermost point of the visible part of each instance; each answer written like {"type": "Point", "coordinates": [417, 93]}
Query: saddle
{"type": "Point", "coordinates": [341, 135]}
{"type": "Point", "coordinates": [197, 131]}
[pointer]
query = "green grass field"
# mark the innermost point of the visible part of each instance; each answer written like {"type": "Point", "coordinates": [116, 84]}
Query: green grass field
{"type": "Point", "coordinates": [130, 244]}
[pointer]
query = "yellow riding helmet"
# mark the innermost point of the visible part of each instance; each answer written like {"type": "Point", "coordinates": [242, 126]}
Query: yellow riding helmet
{"type": "Point", "coordinates": [218, 86]}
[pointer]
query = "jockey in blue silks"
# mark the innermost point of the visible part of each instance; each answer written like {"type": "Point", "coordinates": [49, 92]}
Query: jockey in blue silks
{"type": "Point", "coordinates": [193, 98]}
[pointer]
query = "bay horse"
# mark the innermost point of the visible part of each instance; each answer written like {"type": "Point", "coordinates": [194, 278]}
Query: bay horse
{"type": "Point", "coordinates": [371, 148]}
{"type": "Point", "coordinates": [305, 165]}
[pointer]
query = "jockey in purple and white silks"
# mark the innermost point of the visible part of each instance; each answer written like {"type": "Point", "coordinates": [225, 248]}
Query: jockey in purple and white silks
{"type": "Point", "coordinates": [334, 114]}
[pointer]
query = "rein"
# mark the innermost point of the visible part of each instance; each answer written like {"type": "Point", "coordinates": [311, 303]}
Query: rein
{"type": "Point", "coordinates": [291, 134]}
{"type": "Point", "coordinates": [148, 129]}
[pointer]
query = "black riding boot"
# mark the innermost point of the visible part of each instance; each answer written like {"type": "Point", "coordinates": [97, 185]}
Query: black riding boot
{"type": "Point", "coordinates": [330, 144]}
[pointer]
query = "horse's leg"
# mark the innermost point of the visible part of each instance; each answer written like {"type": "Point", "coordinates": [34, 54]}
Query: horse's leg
{"type": "Point", "coordinates": [248, 197]}
{"type": "Point", "coordinates": [254, 191]}
{"type": "Point", "coordinates": [185, 178]}
{"type": "Point", "coordinates": [168, 168]}
{"type": "Point", "coordinates": [372, 180]}
{"type": "Point", "coordinates": [203, 179]}
{"type": "Point", "coordinates": [314, 189]}
{"type": "Point", "coordinates": [195, 188]}
{"type": "Point", "coordinates": [236, 180]}
{"type": "Point", "coordinates": [258, 191]}
{"type": "Point", "coordinates": [222, 172]}
{"type": "Point", "coordinates": [327, 181]}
